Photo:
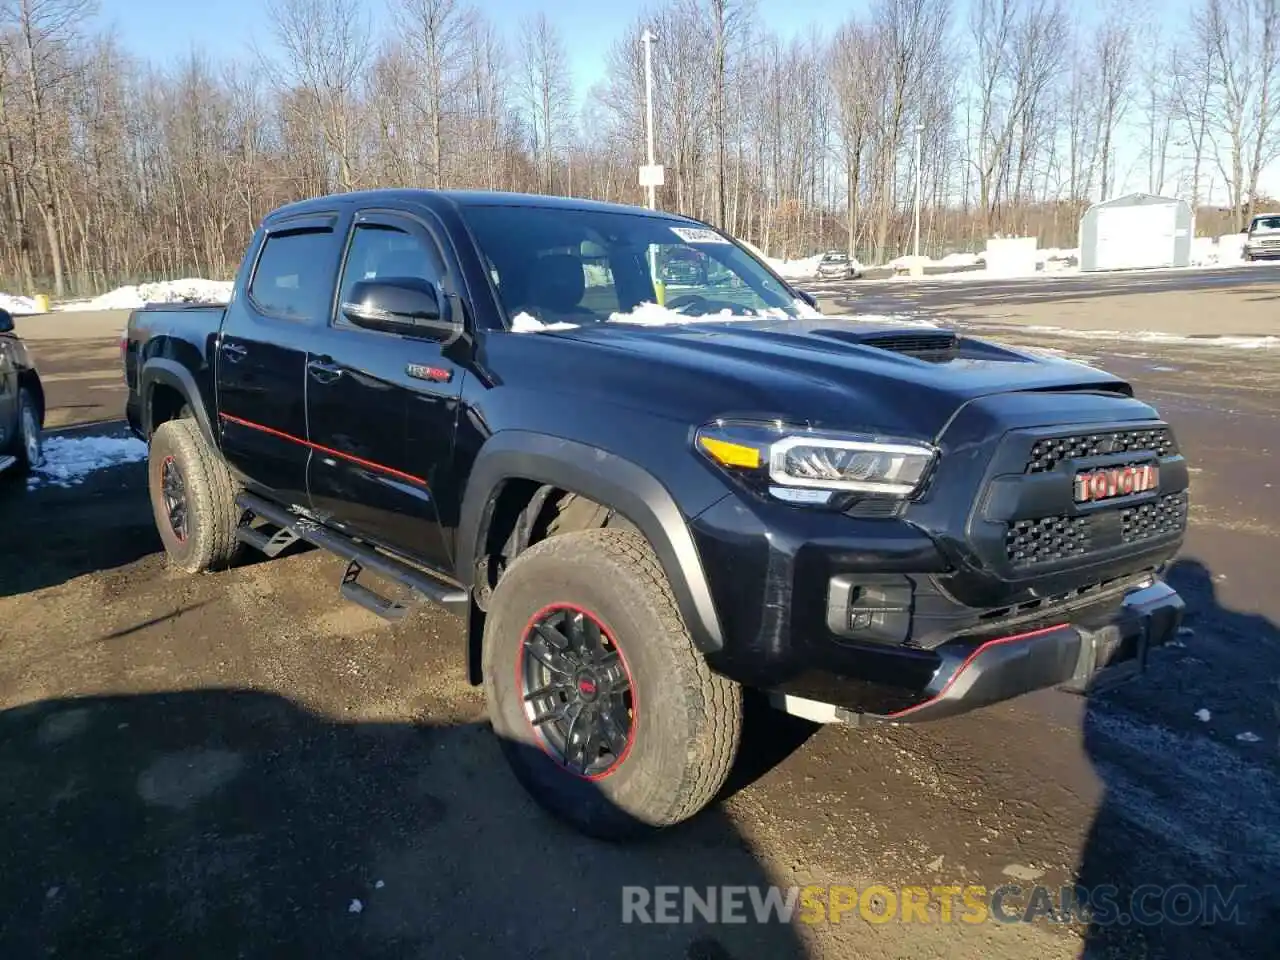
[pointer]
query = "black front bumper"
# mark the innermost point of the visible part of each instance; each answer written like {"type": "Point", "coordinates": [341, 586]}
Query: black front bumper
{"type": "Point", "coordinates": [1077, 657]}
{"type": "Point", "coordinates": [1081, 657]}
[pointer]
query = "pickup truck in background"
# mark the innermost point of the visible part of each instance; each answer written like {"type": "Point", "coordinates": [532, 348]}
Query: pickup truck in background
{"type": "Point", "coordinates": [1262, 237]}
{"type": "Point", "coordinates": [645, 497]}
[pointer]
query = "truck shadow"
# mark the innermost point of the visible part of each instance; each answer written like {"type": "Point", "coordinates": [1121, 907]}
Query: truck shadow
{"type": "Point", "coordinates": [52, 534]}
{"type": "Point", "coordinates": [1190, 817]}
{"type": "Point", "coordinates": [238, 823]}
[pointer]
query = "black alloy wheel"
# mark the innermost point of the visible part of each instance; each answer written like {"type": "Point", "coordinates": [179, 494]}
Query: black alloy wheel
{"type": "Point", "coordinates": [577, 692]}
{"type": "Point", "coordinates": [173, 489]}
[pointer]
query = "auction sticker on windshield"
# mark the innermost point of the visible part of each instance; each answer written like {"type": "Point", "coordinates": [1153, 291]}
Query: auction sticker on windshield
{"type": "Point", "coordinates": [697, 235]}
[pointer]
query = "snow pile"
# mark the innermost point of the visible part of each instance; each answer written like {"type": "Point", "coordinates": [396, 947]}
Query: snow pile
{"type": "Point", "coordinates": [524, 323]}
{"type": "Point", "coordinates": [68, 460]}
{"type": "Point", "coordinates": [652, 315]}
{"type": "Point", "coordinates": [18, 306]}
{"type": "Point", "coordinates": [804, 269]}
{"type": "Point", "coordinates": [1224, 251]}
{"type": "Point", "coordinates": [906, 261]}
{"type": "Point", "coordinates": [187, 290]}
{"type": "Point", "coordinates": [960, 260]}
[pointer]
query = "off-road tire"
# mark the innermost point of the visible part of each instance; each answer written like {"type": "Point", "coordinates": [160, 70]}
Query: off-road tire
{"type": "Point", "coordinates": [212, 514]}
{"type": "Point", "coordinates": [686, 722]}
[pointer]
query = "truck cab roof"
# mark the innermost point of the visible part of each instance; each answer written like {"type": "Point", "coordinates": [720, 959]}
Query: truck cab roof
{"type": "Point", "coordinates": [438, 199]}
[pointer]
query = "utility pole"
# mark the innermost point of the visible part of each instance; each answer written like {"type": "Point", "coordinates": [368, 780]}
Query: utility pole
{"type": "Point", "coordinates": [919, 140]}
{"type": "Point", "coordinates": [647, 38]}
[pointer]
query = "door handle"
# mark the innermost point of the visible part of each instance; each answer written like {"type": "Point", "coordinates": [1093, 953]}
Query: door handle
{"type": "Point", "coordinates": [234, 352]}
{"type": "Point", "coordinates": [323, 369]}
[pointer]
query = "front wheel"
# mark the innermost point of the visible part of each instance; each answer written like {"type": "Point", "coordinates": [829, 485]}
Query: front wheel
{"type": "Point", "coordinates": [607, 714]}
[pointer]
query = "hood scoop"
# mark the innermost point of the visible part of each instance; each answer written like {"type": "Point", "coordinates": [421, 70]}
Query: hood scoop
{"type": "Point", "coordinates": [931, 345]}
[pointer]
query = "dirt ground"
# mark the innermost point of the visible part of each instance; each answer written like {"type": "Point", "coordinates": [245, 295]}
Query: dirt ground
{"type": "Point", "coordinates": [241, 763]}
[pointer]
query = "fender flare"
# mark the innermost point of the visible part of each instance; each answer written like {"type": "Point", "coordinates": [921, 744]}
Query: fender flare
{"type": "Point", "coordinates": [173, 374]}
{"type": "Point", "coordinates": [608, 479]}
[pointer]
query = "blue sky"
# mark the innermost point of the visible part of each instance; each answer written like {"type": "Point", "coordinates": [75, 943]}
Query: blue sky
{"type": "Point", "coordinates": [162, 29]}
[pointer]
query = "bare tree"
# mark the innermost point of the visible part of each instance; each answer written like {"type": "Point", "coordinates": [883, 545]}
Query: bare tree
{"type": "Point", "coordinates": [1240, 40]}
{"type": "Point", "coordinates": [548, 90]}
{"type": "Point", "coordinates": [436, 34]}
{"type": "Point", "coordinates": [327, 47]}
{"type": "Point", "coordinates": [43, 34]}
{"type": "Point", "coordinates": [1113, 52]}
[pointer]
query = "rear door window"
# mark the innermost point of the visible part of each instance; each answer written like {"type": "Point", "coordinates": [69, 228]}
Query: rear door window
{"type": "Point", "coordinates": [293, 278]}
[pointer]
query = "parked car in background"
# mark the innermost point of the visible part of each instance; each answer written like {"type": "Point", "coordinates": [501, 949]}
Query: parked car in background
{"type": "Point", "coordinates": [838, 265]}
{"type": "Point", "coordinates": [21, 402]}
{"type": "Point", "coordinates": [1263, 239]}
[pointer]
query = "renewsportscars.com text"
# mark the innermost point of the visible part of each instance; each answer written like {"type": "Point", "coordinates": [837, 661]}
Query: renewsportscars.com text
{"type": "Point", "coordinates": [1102, 905]}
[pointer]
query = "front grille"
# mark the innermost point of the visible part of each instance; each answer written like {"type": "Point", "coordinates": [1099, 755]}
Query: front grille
{"type": "Point", "coordinates": [1030, 542]}
{"type": "Point", "coordinates": [1048, 538]}
{"type": "Point", "coordinates": [1148, 520]}
{"type": "Point", "coordinates": [1046, 454]}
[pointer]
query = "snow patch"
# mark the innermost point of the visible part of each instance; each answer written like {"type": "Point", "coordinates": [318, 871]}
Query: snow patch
{"type": "Point", "coordinates": [1224, 251]}
{"type": "Point", "coordinates": [1157, 336]}
{"type": "Point", "coordinates": [804, 311]}
{"type": "Point", "coordinates": [68, 460]}
{"type": "Point", "coordinates": [355, 906]}
{"type": "Point", "coordinates": [803, 269]}
{"type": "Point", "coordinates": [1203, 715]}
{"type": "Point", "coordinates": [524, 323]}
{"type": "Point", "coordinates": [17, 306]}
{"type": "Point", "coordinates": [652, 315]}
{"type": "Point", "coordinates": [1248, 737]}
{"type": "Point", "coordinates": [186, 290]}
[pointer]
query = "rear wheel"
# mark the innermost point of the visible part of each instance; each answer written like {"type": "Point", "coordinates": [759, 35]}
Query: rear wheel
{"type": "Point", "coordinates": [608, 715]}
{"type": "Point", "coordinates": [192, 498]}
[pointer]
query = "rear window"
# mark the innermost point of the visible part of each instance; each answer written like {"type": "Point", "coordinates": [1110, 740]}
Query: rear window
{"type": "Point", "coordinates": [294, 276]}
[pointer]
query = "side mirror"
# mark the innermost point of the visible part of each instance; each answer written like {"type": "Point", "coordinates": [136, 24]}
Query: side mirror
{"type": "Point", "coordinates": [405, 305]}
{"type": "Point", "coordinates": [6, 321]}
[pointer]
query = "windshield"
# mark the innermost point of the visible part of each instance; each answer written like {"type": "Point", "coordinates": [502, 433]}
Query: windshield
{"type": "Point", "coordinates": [555, 266]}
{"type": "Point", "coordinates": [1264, 224]}
{"type": "Point", "coordinates": [836, 258]}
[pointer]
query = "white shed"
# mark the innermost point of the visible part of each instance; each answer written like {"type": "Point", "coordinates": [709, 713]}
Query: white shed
{"type": "Point", "coordinates": [1135, 231]}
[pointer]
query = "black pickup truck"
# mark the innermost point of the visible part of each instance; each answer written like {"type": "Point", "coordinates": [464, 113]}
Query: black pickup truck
{"type": "Point", "coordinates": [644, 496]}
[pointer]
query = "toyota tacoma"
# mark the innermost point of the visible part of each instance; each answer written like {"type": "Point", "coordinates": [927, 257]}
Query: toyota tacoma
{"type": "Point", "coordinates": [643, 501]}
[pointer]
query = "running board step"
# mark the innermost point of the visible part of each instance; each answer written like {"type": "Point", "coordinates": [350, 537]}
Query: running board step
{"type": "Point", "coordinates": [272, 545]}
{"type": "Point", "coordinates": [358, 593]}
{"type": "Point", "coordinates": [452, 598]}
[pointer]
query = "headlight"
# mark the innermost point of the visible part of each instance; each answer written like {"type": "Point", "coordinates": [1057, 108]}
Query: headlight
{"type": "Point", "coordinates": [798, 465]}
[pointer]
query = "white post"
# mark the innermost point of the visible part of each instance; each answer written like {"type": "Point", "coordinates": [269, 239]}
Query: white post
{"type": "Point", "coordinates": [919, 137]}
{"type": "Point", "coordinates": [647, 38]}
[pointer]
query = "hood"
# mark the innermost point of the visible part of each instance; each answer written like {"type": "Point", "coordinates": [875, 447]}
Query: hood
{"type": "Point", "coordinates": [831, 372]}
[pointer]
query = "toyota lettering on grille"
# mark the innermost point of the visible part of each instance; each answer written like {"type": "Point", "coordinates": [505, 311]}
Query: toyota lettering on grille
{"type": "Point", "coordinates": [1095, 485]}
